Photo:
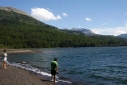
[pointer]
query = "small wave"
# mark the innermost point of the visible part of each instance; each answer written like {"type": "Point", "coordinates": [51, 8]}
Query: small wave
{"type": "Point", "coordinates": [65, 81]}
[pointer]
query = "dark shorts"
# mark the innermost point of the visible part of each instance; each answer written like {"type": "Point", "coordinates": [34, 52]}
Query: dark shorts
{"type": "Point", "coordinates": [53, 72]}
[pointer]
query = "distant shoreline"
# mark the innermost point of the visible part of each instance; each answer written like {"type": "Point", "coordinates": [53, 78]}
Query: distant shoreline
{"type": "Point", "coordinates": [17, 51]}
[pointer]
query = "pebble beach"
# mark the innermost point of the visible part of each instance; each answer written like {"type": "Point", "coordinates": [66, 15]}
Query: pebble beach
{"type": "Point", "coordinates": [18, 76]}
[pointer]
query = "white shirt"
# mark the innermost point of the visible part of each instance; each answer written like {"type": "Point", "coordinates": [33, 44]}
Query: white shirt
{"type": "Point", "coordinates": [5, 56]}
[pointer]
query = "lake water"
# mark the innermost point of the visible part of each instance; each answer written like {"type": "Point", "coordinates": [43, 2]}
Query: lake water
{"type": "Point", "coordinates": [78, 66]}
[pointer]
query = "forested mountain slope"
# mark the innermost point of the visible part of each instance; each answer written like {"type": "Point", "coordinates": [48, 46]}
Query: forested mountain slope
{"type": "Point", "coordinates": [22, 31]}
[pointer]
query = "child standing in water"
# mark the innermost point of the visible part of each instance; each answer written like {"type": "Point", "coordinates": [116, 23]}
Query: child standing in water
{"type": "Point", "coordinates": [5, 60]}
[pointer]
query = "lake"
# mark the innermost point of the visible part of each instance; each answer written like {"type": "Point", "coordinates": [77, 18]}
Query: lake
{"type": "Point", "coordinates": [78, 66]}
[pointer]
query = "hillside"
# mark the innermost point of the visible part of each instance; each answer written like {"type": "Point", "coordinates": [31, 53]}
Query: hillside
{"type": "Point", "coordinates": [19, 30]}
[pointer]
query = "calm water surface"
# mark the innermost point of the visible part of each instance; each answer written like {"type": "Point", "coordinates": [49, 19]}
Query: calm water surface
{"type": "Point", "coordinates": [78, 66]}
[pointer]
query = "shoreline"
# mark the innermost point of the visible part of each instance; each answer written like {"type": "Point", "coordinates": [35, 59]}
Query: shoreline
{"type": "Point", "coordinates": [17, 51]}
{"type": "Point", "coordinates": [18, 76]}
{"type": "Point", "coordinates": [20, 51]}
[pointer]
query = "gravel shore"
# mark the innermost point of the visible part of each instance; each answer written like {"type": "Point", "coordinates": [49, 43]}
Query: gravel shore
{"type": "Point", "coordinates": [17, 76]}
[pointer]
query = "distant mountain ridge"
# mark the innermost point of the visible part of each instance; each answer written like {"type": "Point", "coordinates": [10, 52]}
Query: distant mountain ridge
{"type": "Point", "coordinates": [85, 31]}
{"type": "Point", "coordinates": [81, 31]}
{"type": "Point", "coordinates": [123, 35]}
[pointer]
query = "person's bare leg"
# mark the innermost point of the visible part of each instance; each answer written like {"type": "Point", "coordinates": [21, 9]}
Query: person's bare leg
{"type": "Point", "coordinates": [4, 65]}
{"type": "Point", "coordinates": [54, 79]}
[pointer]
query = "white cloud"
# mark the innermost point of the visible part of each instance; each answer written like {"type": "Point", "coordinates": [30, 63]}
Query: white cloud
{"type": "Point", "coordinates": [43, 14]}
{"type": "Point", "coordinates": [65, 15]}
{"type": "Point", "coordinates": [88, 19]}
{"type": "Point", "coordinates": [110, 31]}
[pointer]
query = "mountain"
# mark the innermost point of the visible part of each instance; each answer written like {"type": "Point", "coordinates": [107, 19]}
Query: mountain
{"type": "Point", "coordinates": [80, 31]}
{"type": "Point", "coordinates": [123, 35]}
{"type": "Point", "coordinates": [85, 31]}
{"type": "Point", "coordinates": [20, 30]}
{"type": "Point", "coordinates": [10, 9]}
{"type": "Point", "coordinates": [9, 14]}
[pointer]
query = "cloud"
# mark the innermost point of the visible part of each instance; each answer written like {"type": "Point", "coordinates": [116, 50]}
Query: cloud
{"type": "Point", "coordinates": [65, 15]}
{"type": "Point", "coordinates": [110, 31]}
{"type": "Point", "coordinates": [88, 19]}
{"type": "Point", "coordinates": [43, 14]}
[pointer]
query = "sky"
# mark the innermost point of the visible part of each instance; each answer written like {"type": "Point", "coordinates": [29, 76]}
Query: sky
{"type": "Point", "coordinates": [105, 17]}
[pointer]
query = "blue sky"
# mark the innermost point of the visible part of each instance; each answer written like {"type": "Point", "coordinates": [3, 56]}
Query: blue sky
{"type": "Point", "coordinates": [106, 17]}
